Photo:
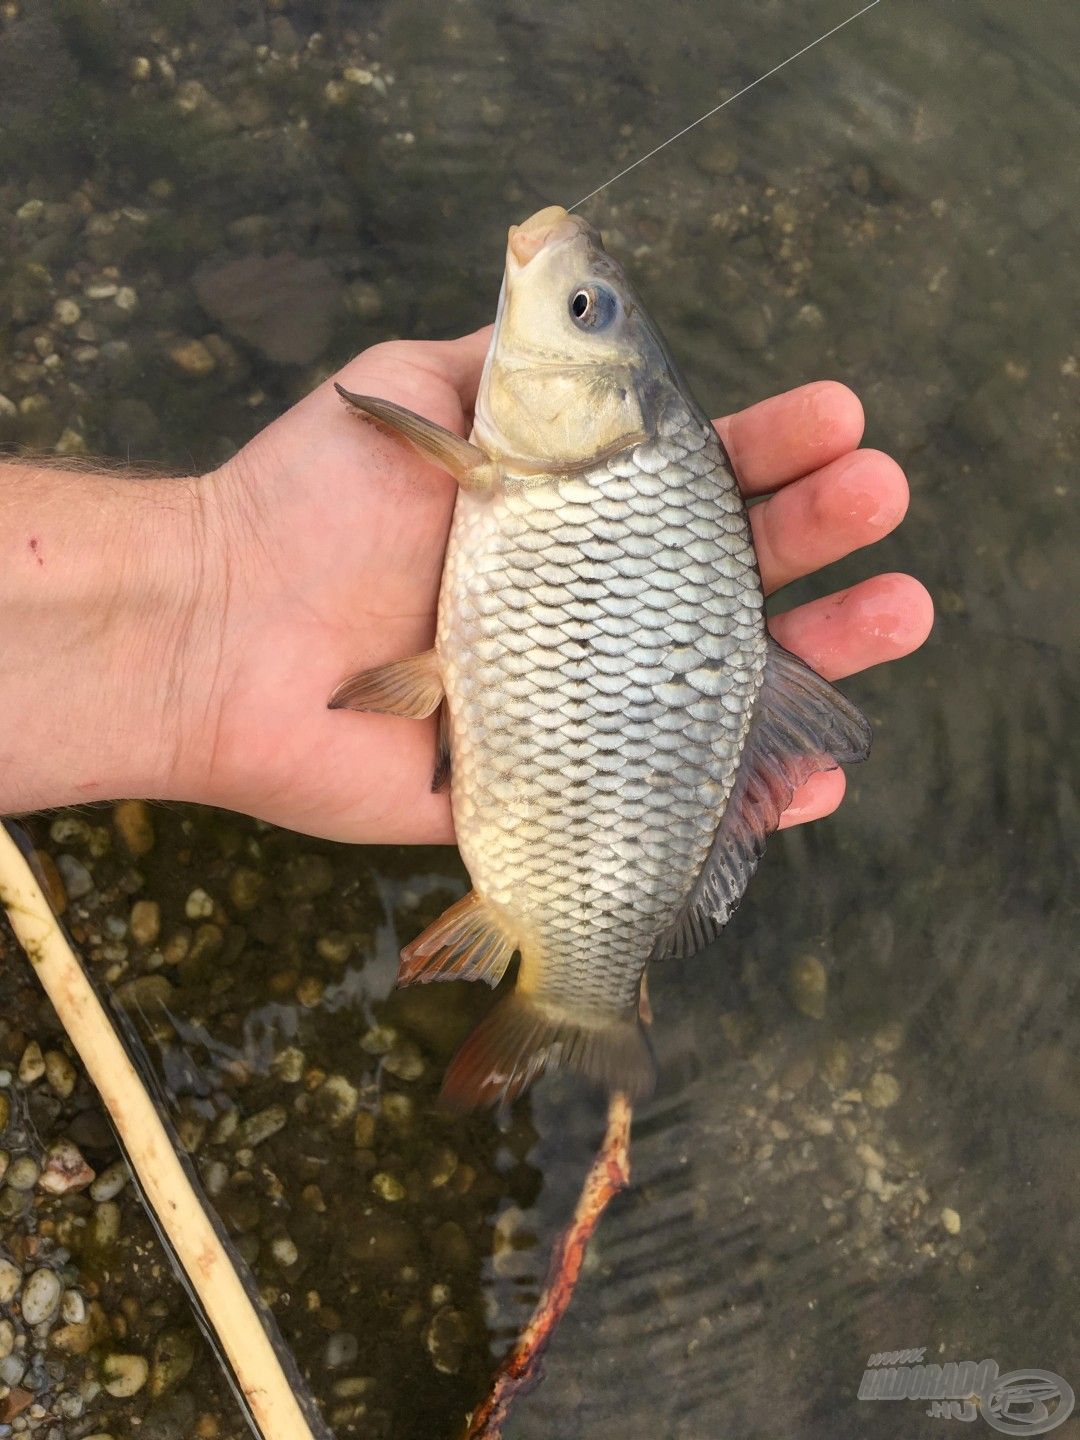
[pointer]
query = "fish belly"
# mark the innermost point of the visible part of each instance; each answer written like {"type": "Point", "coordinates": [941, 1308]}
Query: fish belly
{"type": "Point", "coordinates": [602, 643]}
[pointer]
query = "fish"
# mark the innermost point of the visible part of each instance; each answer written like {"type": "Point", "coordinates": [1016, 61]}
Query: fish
{"type": "Point", "coordinates": [619, 731]}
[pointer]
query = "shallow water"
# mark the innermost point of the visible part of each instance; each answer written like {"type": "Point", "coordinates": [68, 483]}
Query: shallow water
{"type": "Point", "coordinates": [894, 210]}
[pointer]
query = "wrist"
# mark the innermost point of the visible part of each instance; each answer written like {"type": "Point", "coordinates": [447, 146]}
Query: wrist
{"type": "Point", "coordinates": [110, 589]}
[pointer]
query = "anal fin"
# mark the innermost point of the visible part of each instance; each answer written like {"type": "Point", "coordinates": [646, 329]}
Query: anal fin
{"type": "Point", "coordinates": [411, 687]}
{"type": "Point", "coordinates": [467, 942]}
{"type": "Point", "coordinates": [801, 724]}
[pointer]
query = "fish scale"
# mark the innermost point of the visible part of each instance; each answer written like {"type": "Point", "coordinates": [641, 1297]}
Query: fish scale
{"type": "Point", "coordinates": [588, 844]}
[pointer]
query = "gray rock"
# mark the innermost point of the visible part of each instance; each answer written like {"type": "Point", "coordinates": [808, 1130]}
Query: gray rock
{"type": "Point", "coordinates": [10, 1280]}
{"type": "Point", "coordinates": [282, 306]}
{"type": "Point", "coordinates": [76, 877]}
{"type": "Point", "coordinates": [41, 1296]}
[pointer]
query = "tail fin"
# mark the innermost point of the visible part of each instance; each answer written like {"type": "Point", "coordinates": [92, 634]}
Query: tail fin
{"type": "Point", "coordinates": [521, 1037]}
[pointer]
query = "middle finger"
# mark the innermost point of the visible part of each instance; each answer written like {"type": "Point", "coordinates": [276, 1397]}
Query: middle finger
{"type": "Point", "coordinates": [847, 504]}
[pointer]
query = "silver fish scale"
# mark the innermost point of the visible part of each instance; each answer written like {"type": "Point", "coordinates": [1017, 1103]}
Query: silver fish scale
{"type": "Point", "coordinates": [602, 644]}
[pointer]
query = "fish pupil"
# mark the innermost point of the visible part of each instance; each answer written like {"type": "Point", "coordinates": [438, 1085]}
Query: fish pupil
{"type": "Point", "coordinates": [579, 305]}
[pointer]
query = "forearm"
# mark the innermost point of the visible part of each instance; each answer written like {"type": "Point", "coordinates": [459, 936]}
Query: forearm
{"type": "Point", "coordinates": [106, 622]}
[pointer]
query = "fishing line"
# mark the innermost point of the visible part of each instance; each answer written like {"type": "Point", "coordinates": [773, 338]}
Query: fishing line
{"type": "Point", "coordinates": [717, 108]}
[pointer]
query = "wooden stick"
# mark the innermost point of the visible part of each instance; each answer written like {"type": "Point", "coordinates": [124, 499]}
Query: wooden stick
{"type": "Point", "coordinates": [263, 1384]}
{"type": "Point", "coordinates": [521, 1368]}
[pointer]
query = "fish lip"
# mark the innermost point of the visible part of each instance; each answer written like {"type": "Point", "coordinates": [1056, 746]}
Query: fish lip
{"type": "Point", "coordinates": [524, 242]}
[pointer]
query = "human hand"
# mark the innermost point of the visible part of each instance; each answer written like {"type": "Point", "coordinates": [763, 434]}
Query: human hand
{"type": "Point", "coordinates": [333, 537]}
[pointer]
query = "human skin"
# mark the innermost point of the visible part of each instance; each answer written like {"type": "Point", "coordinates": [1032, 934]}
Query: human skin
{"type": "Point", "coordinates": [178, 638]}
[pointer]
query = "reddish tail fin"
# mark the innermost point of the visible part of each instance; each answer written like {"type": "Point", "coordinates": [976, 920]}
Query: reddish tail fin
{"type": "Point", "coordinates": [521, 1038]}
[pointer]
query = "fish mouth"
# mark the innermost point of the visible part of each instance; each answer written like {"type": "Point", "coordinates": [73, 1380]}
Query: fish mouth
{"type": "Point", "coordinates": [547, 227]}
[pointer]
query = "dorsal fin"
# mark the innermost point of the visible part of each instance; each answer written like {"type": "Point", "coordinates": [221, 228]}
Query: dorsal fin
{"type": "Point", "coordinates": [800, 725]}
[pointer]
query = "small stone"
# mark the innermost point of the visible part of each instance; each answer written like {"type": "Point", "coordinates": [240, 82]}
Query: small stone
{"type": "Point", "coordinates": [191, 95]}
{"type": "Point", "coordinates": [40, 1297]}
{"type": "Point", "coordinates": [65, 1170]}
{"type": "Point", "coordinates": [60, 1073]}
{"type": "Point", "coordinates": [73, 1308]}
{"type": "Point", "coordinates": [126, 299]}
{"type": "Point", "coordinates": [140, 68]}
{"type": "Point", "coordinates": [379, 1040]}
{"type": "Point", "coordinates": [73, 1339]}
{"type": "Point", "coordinates": [341, 1349]}
{"type": "Point", "coordinates": [5, 1111]}
{"type": "Point", "coordinates": [284, 1251]}
{"type": "Point", "coordinates": [111, 1181]}
{"type": "Point", "coordinates": [364, 1130]}
{"type": "Point", "coordinates": [134, 821]}
{"type": "Point", "coordinates": [192, 358]}
{"type": "Point", "coordinates": [950, 1220]}
{"type": "Point", "coordinates": [145, 922]}
{"type": "Point", "coordinates": [32, 1064]}
{"type": "Point", "coordinates": [336, 1100]}
{"type": "Point", "coordinates": [5, 1161]}
{"type": "Point", "coordinates": [106, 1228]}
{"type": "Point", "coordinates": [396, 1108]}
{"type": "Point", "coordinates": [199, 905]}
{"type": "Point", "coordinates": [404, 1061]}
{"type": "Point", "coordinates": [247, 888]}
{"type": "Point", "coordinates": [23, 1173]}
{"type": "Point", "coordinates": [335, 947]}
{"type": "Point", "coordinates": [387, 1186]}
{"type": "Point", "coordinates": [717, 157]}
{"type": "Point", "coordinates": [68, 830]}
{"type": "Point", "coordinates": [447, 1338]}
{"type": "Point", "coordinates": [257, 1128]}
{"type": "Point", "coordinates": [306, 878]}
{"type": "Point", "coordinates": [124, 1375]}
{"type": "Point", "coordinates": [71, 442]}
{"type": "Point", "coordinates": [288, 1065]}
{"type": "Point", "coordinates": [10, 1280]}
{"type": "Point", "coordinates": [67, 312]}
{"type": "Point", "coordinates": [883, 1090]}
{"type": "Point", "coordinates": [76, 877]}
{"type": "Point", "coordinates": [7, 1338]}
{"type": "Point", "coordinates": [310, 992]}
{"type": "Point", "coordinates": [174, 1355]}
{"type": "Point", "coordinates": [808, 985]}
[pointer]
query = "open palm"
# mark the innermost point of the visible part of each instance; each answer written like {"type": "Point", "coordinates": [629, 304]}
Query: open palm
{"type": "Point", "coordinates": [335, 537]}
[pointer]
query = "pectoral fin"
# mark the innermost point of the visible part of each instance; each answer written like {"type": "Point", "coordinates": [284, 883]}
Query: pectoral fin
{"type": "Point", "coordinates": [412, 687]}
{"type": "Point", "coordinates": [800, 725]}
{"type": "Point", "coordinates": [468, 465]}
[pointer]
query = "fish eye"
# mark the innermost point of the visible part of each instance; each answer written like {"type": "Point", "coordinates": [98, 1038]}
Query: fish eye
{"type": "Point", "coordinates": [593, 307]}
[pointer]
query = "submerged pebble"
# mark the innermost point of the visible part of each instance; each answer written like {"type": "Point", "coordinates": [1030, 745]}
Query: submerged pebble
{"type": "Point", "coordinates": [808, 984]}
{"type": "Point", "coordinates": [882, 1090]}
{"type": "Point", "coordinates": [10, 1280]}
{"type": "Point", "coordinates": [259, 1127]}
{"type": "Point", "coordinates": [76, 877]}
{"type": "Point", "coordinates": [133, 820]}
{"type": "Point", "coordinates": [65, 1170]}
{"type": "Point", "coordinates": [124, 1375]}
{"type": "Point", "coordinates": [40, 1298]}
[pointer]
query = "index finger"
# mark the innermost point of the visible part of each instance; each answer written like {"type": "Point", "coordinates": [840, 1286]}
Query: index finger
{"type": "Point", "coordinates": [787, 436]}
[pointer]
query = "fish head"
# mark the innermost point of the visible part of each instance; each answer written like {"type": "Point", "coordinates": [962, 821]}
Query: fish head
{"type": "Point", "coordinates": [575, 363]}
